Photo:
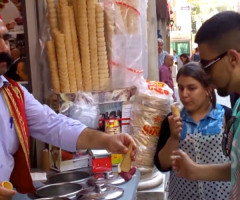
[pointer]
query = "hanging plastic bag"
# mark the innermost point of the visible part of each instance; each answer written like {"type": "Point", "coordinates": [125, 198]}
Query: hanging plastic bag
{"type": "Point", "coordinates": [151, 105]}
{"type": "Point", "coordinates": [85, 109]}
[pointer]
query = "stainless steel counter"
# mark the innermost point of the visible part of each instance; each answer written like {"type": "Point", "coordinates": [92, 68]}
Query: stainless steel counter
{"type": "Point", "coordinates": [130, 188]}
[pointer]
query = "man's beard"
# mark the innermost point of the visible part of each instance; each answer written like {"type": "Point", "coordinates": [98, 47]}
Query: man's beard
{"type": "Point", "coordinates": [224, 90]}
{"type": "Point", "coordinates": [5, 57]}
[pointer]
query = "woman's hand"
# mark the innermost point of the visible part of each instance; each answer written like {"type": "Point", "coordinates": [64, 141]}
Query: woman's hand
{"type": "Point", "coordinates": [183, 165]}
{"type": "Point", "coordinates": [172, 143]}
{"type": "Point", "coordinates": [6, 194]}
{"type": "Point", "coordinates": [175, 124]}
{"type": "Point", "coordinates": [186, 168]}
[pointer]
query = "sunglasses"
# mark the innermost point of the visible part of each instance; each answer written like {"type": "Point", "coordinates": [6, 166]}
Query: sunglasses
{"type": "Point", "coordinates": [207, 64]}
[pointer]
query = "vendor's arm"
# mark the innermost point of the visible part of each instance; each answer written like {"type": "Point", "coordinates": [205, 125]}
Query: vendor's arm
{"type": "Point", "coordinates": [59, 130]}
{"type": "Point", "coordinates": [114, 143]}
{"type": "Point", "coordinates": [186, 168]}
{"type": "Point", "coordinates": [56, 129]}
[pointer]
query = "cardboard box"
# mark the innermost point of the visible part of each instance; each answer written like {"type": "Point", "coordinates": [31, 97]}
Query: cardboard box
{"type": "Point", "coordinates": [61, 160]}
{"type": "Point", "coordinates": [126, 115]}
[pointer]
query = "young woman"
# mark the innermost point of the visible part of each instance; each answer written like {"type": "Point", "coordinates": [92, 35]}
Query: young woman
{"type": "Point", "coordinates": [198, 132]}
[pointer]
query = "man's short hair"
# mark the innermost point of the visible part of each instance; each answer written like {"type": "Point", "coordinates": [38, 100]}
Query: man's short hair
{"type": "Point", "coordinates": [221, 32]}
{"type": "Point", "coordinates": [167, 56]}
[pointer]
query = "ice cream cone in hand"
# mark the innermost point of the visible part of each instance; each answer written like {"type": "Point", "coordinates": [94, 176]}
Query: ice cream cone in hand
{"type": "Point", "coordinates": [7, 185]}
{"type": "Point", "coordinates": [175, 108]}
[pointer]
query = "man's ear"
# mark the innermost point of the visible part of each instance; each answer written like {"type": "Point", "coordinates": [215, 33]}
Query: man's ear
{"type": "Point", "coordinates": [234, 57]}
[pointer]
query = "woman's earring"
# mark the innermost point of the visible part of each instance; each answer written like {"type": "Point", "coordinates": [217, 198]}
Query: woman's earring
{"type": "Point", "coordinates": [210, 97]}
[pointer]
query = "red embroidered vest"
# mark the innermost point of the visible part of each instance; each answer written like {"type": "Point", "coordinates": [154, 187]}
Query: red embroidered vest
{"type": "Point", "coordinates": [20, 177]}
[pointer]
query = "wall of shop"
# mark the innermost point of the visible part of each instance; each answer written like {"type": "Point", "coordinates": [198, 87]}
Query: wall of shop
{"type": "Point", "coordinates": [152, 42]}
{"type": "Point", "coordinates": [163, 20]}
{"type": "Point", "coordinates": [33, 45]}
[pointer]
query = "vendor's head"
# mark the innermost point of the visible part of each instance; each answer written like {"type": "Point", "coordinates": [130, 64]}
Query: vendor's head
{"type": "Point", "coordinates": [195, 89]}
{"type": "Point", "coordinates": [5, 59]}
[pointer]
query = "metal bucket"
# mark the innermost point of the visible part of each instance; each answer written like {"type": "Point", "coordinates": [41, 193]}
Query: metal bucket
{"type": "Point", "coordinates": [69, 177]}
{"type": "Point", "coordinates": [99, 192]}
{"type": "Point", "coordinates": [56, 191]}
{"type": "Point", "coordinates": [55, 198]}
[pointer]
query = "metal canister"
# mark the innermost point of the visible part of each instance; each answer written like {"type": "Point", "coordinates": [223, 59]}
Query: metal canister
{"type": "Point", "coordinates": [101, 161]}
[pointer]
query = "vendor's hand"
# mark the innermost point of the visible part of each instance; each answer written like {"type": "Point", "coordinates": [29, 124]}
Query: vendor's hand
{"type": "Point", "coordinates": [119, 143]}
{"type": "Point", "coordinates": [183, 165]}
{"type": "Point", "coordinates": [6, 194]}
{"type": "Point", "coordinates": [175, 124]}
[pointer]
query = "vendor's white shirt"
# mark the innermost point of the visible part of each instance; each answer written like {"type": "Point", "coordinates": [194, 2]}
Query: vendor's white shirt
{"type": "Point", "coordinates": [43, 123]}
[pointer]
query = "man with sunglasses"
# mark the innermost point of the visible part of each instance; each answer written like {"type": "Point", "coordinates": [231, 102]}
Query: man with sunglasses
{"type": "Point", "coordinates": [219, 48]}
